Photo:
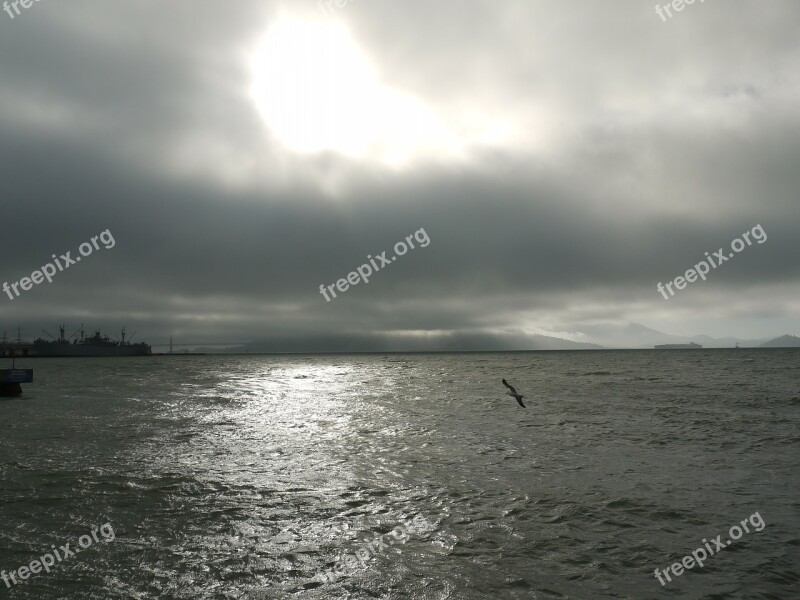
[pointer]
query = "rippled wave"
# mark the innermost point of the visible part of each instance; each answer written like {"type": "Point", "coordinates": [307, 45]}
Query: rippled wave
{"type": "Point", "coordinates": [250, 477]}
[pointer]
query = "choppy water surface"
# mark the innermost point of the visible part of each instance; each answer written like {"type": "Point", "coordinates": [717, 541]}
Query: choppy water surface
{"type": "Point", "coordinates": [248, 477]}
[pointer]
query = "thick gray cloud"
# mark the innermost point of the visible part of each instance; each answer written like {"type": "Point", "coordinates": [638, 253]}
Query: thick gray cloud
{"type": "Point", "coordinates": [634, 147]}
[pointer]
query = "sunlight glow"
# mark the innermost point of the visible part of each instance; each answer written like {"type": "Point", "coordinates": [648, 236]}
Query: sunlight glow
{"type": "Point", "coordinates": [317, 91]}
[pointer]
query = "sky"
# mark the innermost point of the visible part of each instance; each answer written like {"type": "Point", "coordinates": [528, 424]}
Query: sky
{"type": "Point", "coordinates": [561, 158]}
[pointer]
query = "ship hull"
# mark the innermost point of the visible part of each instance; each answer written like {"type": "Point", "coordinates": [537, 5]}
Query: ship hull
{"type": "Point", "coordinates": [678, 346]}
{"type": "Point", "coordinates": [87, 350]}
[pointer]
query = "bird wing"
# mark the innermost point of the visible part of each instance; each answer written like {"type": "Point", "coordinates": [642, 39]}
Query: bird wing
{"type": "Point", "coordinates": [519, 399]}
{"type": "Point", "coordinates": [509, 386]}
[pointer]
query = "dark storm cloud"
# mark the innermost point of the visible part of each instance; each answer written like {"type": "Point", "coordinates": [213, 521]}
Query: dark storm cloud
{"type": "Point", "coordinates": [660, 145]}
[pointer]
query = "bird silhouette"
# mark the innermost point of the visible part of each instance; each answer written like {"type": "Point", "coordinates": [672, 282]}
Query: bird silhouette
{"type": "Point", "coordinates": [513, 392]}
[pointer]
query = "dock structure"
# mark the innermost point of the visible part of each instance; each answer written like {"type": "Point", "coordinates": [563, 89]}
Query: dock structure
{"type": "Point", "coordinates": [11, 349]}
{"type": "Point", "coordinates": [11, 380]}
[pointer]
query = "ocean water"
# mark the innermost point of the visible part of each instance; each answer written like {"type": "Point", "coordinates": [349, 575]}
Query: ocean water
{"type": "Point", "coordinates": [254, 477]}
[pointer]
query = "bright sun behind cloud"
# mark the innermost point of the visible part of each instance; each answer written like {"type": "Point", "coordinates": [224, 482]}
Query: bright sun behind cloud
{"type": "Point", "coordinates": [317, 91]}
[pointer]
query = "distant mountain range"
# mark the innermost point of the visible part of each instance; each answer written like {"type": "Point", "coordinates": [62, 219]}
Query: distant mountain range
{"type": "Point", "coordinates": [635, 335]}
{"type": "Point", "coordinates": [457, 342]}
{"type": "Point", "coordinates": [585, 337]}
{"type": "Point", "coordinates": [785, 341]}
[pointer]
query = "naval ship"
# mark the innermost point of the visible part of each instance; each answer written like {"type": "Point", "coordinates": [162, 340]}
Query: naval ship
{"type": "Point", "coordinates": [690, 346]}
{"type": "Point", "coordinates": [91, 346]}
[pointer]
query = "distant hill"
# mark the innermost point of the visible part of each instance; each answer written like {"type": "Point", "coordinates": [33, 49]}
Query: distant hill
{"type": "Point", "coordinates": [631, 335]}
{"type": "Point", "coordinates": [727, 342]}
{"type": "Point", "coordinates": [469, 342]}
{"type": "Point", "coordinates": [785, 341]}
{"type": "Point", "coordinates": [635, 335]}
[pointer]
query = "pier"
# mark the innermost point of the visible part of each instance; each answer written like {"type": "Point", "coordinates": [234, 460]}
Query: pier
{"type": "Point", "coordinates": [11, 380]}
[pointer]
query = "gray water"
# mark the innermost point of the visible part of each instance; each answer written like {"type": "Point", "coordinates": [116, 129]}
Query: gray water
{"type": "Point", "coordinates": [250, 477]}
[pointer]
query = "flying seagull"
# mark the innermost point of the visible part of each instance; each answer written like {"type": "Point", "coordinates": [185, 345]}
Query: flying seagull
{"type": "Point", "coordinates": [514, 393]}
